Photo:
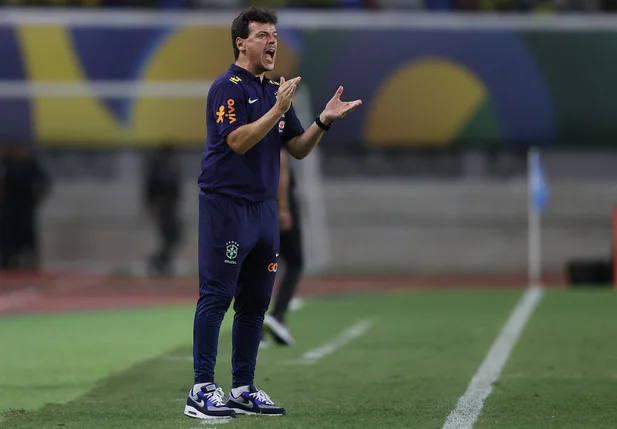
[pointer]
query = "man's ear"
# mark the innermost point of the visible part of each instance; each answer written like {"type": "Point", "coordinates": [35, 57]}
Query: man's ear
{"type": "Point", "coordinates": [240, 44]}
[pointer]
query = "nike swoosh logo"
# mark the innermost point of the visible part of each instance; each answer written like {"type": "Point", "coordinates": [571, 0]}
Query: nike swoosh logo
{"type": "Point", "coordinates": [253, 101]}
{"type": "Point", "coordinates": [277, 255]}
{"type": "Point", "coordinates": [248, 404]}
{"type": "Point", "coordinates": [201, 403]}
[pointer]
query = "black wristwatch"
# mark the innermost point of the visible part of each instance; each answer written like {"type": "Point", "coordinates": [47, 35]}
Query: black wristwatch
{"type": "Point", "coordinates": [322, 125]}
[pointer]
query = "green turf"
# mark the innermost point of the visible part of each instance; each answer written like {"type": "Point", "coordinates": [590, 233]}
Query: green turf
{"type": "Point", "coordinates": [408, 370]}
{"type": "Point", "coordinates": [55, 358]}
{"type": "Point", "coordinates": [563, 372]}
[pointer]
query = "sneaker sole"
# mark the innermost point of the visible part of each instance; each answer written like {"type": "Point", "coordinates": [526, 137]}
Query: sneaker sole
{"type": "Point", "coordinates": [194, 413]}
{"type": "Point", "coordinates": [249, 413]}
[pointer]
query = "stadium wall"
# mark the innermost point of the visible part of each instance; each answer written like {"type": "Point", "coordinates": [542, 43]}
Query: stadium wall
{"type": "Point", "coordinates": [373, 224]}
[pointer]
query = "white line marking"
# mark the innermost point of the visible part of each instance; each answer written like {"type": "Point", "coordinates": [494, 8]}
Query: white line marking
{"type": "Point", "coordinates": [105, 89]}
{"type": "Point", "coordinates": [213, 422]}
{"type": "Point", "coordinates": [354, 331]}
{"type": "Point", "coordinates": [470, 404]}
{"type": "Point", "coordinates": [308, 20]}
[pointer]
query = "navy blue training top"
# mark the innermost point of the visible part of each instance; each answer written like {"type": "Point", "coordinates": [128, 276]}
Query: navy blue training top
{"type": "Point", "coordinates": [237, 97]}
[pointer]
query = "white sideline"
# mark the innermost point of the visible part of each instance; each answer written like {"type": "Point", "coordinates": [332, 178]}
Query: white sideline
{"type": "Point", "coordinates": [470, 404]}
{"type": "Point", "coordinates": [354, 331]}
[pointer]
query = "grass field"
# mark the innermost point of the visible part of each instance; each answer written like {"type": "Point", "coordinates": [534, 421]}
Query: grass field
{"type": "Point", "coordinates": [396, 360]}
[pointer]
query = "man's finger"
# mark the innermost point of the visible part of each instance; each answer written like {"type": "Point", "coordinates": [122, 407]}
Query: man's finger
{"type": "Point", "coordinates": [353, 104]}
{"type": "Point", "coordinates": [282, 93]}
{"type": "Point", "coordinates": [289, 82]}
{"type": "Point", "coordinates": [349, 106]}
{"type": "Point", "coordinates": [284, 85]}
{"type": "Point", "coordinates": [289, 90]}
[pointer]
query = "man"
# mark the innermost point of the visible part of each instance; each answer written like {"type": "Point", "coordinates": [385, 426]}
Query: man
{"type": "Point", "coordinates": [249, 117]}
{"type": "Point", "coordinates": [162, 198]}
{"type": "Point", "coordinates": [4, 248]}
{"type": "Point", "coordinates": [291, 252]}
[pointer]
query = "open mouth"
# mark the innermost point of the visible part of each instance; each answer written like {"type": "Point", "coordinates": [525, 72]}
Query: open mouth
{"type": "Point", "coordinates": [270, 53]}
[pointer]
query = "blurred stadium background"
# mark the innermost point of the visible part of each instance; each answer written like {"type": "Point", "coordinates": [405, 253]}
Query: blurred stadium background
{"type": "Point", "coordinates": [428, 177]}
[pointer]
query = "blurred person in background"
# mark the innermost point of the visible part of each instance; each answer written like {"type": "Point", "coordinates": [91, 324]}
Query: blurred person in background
{"type": "Point", "coordinates": [174, 4]}
{"type": "Point", "coordinates": [290, 252]}
{"type": "Point", "coordinates": [25, 186]}
{"type": "Point", "coordinates": [163, 192]}
{"type": "Point", "coordinates": [3, 232]}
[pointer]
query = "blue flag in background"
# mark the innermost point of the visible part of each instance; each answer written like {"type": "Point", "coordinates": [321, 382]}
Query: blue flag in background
{"type": "Point", "coordinates": [539, 190]}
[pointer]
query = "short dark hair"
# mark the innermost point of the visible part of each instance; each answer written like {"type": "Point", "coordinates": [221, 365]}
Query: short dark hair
{"type": "Point", "coordinates": [240, 26]}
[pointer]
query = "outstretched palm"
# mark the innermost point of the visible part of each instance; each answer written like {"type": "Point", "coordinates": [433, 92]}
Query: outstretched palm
{"type": "Point", "coordinates": [336, 108]}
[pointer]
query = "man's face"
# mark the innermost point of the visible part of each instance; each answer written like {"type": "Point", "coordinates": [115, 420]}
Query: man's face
{"type": "Point", "coordinates": [260, 47]}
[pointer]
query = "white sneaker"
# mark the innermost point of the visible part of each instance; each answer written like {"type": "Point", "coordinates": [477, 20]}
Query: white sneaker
{"type": "Point", "coordinates": [251, 400]}
{"type": "Point", "coordinates": [207, 403]}
{"type": "Point", "coordinates": [296, 304]}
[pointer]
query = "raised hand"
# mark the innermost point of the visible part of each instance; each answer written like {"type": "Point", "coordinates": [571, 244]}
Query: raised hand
{"type": "Point", "coordinates": [336, 108]}
{"type": "Point", "coordinates": [286, 92]}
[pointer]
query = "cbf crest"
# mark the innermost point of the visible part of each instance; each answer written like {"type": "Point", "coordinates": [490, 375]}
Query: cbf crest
{"type": "Point", "coordinates": [231, 252]}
